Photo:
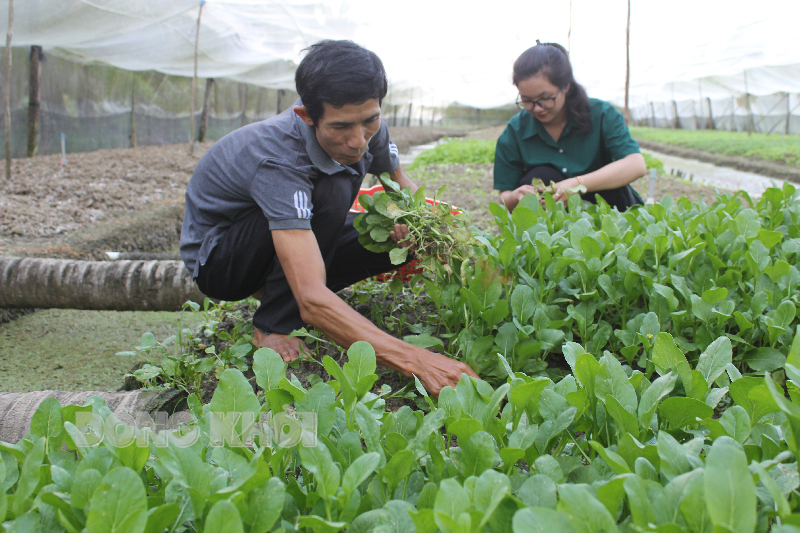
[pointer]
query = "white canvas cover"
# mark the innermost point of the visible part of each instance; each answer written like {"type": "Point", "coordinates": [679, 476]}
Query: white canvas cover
{"type": "Point", "coordinates": [439, 52]}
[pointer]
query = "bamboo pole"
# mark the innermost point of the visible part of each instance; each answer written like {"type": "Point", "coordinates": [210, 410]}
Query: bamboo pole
{"type": "Point", "coordinates": [133, 108]}
{"type": "Point", "coordinates": [750, 125]}
{"type": "Point", "coordinates": [788, 116]}
{"type": "Point", "coordinates": [569, 31]}
{"type": "Point", "coordinates": [676, 124]}
{"type": "Point", "coordinates": [653, 113]}
{"type": "Point", "coordinates": [244, 103]}
{"type": "Point", "coordinates": [201, 135]}
{"type": "Point", "coordinates": [7, 110]}
{"type": "Point", "coordinates": [700, 116]}
{"type": "Point", "coordinates": [710, 115]}
{"type": "Point", "coordinates": [628, 64]}
{"type": "Point", "coordinates": [410, 98]}
{"type": "Point", "coordinates": [33, 100]}
{"type": "Point", "coordinates": [194, 79]}
{"type": "Point", "coordinates": [279, 104]}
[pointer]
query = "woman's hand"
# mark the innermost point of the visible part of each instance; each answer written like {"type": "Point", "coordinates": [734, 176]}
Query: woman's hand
{"type": "Point", "coordinates": [512, 198]}
{"type": "Point", "coordinates": [561, 194]}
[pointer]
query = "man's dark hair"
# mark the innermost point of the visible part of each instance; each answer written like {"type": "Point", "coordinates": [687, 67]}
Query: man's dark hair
{"type": "Point", "coordinates": [339, 73]}
{"type": "Point", "coordinates": [552, 60]}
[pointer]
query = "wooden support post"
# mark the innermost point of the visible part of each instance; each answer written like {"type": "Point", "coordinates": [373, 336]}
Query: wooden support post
{"type": "Point", "coordinates": [653, 114]}
{"type": "Point", "coordinates": [750, 125]}
{"type": "Point", "coordinates": [694, 115]}
{"type": "Point", "coordinates": [394, 117]}
{"type": "Point", "coordinates": [676, 123]}
{"type": "Point", "coordinates": [711, 124]}
{"type": "Point", "coordinates": [279, 105]}
{"type": "Point", "coordinates": [700, 118]}
{"type": "Point", "coordinates": [244, 103]}
{"type": "Point", "coordinates": [259, 100]}
{"type": "Point", "coordinates": [421, 112]}
{"type": "Point", "coordinates": [201, 135]}
{"type": "Point", "coordinates": [7, 107]}
{"type": "Point", "coordinates": [408, 120]}
{"type": "Point", "coordinates": [194, 79]}
{"type": "Point", "coordinates": [34, 100]}
{"type": "Point", "coordinates": [627, 111]}
{"type": "Point", "coordinates": [788, 116]}
{"type": "Point", "coordinates": [216, 100]}
{"type": "Point", "coordinates": [133, 109]}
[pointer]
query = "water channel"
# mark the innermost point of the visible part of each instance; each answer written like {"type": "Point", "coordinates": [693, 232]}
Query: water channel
{"type": "Point", "coordinates": [714, 176]}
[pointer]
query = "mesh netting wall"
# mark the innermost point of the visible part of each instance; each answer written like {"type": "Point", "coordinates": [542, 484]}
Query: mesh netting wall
{"type": "Point", "coordinates": [776, 113]}
{"type": "Point", "coordinates": [91, 106]}
{"type": "Point", "coordinates": [85, 134]}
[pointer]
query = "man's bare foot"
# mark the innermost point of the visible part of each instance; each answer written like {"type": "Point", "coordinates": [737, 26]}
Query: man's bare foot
{"type": "Point", "coordinates": [287, 347]}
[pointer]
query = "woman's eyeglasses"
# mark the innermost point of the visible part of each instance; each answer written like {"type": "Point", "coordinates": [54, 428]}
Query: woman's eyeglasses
{"type": "Point", "coordinates": [544, 103]}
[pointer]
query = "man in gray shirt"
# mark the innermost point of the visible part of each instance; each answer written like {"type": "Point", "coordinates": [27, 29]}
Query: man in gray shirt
{"type": "Point", "coordinates": [267, 213]}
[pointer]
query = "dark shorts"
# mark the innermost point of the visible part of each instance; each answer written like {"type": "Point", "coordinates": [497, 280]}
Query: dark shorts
{"type": "Point", "coordinates": [244, 259]}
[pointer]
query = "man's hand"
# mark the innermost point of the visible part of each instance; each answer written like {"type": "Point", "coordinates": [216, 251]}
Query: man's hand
{"type": "Point", "coordinates": [400, 235]}
{"type": "Point", "coordinates": [436, 371]}
{"type": "Point", "coordinates": [300, 258]}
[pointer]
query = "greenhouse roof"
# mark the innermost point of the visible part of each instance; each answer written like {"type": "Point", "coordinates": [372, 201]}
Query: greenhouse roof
{"type": "Point", "coordinates": [437, 52]}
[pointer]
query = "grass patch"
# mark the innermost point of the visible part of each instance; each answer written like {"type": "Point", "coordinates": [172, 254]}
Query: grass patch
{"type": "Point", "coordinates": [457, 151]}
{"type": "Point", "coordinates": [761, 146]}
{"type": "Point", "coordinates": [70, 349]}
{"type": "Point", "coordinates": [460, 151]}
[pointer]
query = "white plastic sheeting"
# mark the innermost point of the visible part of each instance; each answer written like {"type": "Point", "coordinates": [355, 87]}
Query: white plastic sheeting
{"type": "Point", "coordinates": [455, 52]}
{"type": "Point", "coordinates": [438, 52]}
{"type": "Point", "coordinates": [252, 41]}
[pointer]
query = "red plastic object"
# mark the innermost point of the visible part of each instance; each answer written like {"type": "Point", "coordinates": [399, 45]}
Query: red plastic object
{"type": "Point", "coordinates": [407, 271]}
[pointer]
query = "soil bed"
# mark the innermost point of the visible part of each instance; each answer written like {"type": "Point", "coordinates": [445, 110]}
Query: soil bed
{"type": "Point", "coordinates": [132, 200]}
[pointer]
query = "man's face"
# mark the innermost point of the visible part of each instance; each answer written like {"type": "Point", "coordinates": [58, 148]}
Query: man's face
{"type": "Point", "coordinates": [344, 132]}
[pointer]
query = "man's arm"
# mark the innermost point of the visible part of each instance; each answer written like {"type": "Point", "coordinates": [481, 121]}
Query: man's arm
{"type": "Point", "coordinates": [302, 263]}
{"type": "Point", "coordinates": [399, 177]}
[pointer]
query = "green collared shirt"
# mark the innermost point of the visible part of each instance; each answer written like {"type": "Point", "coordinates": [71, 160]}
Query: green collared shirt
{"type": "Point", "coordinates": [525, 144]}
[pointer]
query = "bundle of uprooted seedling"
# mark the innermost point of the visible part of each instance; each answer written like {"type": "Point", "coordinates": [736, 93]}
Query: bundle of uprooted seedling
{"type": "Point", "coordinates": [438, 232]}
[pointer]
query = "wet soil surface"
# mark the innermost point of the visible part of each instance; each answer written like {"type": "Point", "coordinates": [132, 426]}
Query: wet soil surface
{"type": "Point", "coordinates": [763, 168]}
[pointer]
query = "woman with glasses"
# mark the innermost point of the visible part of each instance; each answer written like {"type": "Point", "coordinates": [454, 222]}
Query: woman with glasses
{"type": "Point", "coordinates": [561, 135]}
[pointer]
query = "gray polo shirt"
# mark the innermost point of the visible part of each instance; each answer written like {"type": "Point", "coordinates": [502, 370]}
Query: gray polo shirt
{"type": "Point", "coordinates": [271, 165]}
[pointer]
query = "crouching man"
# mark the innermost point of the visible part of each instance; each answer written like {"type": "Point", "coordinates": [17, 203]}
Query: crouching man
{"type": "Point", "coordinates": [267, 213]}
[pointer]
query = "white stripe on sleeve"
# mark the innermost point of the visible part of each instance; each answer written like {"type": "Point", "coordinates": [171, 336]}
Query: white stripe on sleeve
{"type": "Point", "coordinates": [301, 204]}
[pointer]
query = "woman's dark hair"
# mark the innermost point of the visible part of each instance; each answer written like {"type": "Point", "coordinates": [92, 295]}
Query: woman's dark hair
{"type": "Point", "coordinates": [552, 60]}
{"type": "Point", "coordinates": [339, 73]}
